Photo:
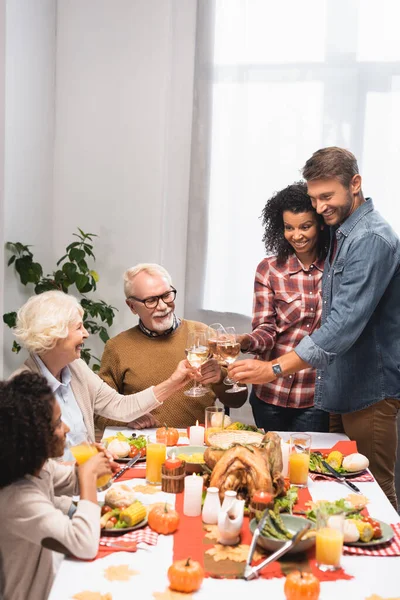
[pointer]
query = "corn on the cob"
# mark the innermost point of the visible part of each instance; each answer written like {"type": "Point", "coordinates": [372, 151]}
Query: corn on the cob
{"type": "Point", "coordinates": [335, 459]}
{"type": "Point", "coordinates": [365, 529]}
{"type": "Point", "coordinates": [132, 515]}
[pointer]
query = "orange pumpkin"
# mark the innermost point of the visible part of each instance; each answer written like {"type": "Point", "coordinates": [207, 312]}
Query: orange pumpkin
{"type": "Point", "coordinates": [185, 575]}
{"type": "Point", "coordinates": [163, 519]}
{"type": "Point", "coordinates": [301, 586]}
{"type": "Point", "coordinates": [167, 435]}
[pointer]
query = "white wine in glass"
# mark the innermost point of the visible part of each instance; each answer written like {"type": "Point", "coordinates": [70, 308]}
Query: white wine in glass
{"type": "Point", "coordinates": [197, 353]}
{"type": "Point", "coordinates": [214, 332]}
{"type": "Point", "coordinates": [229, 350]}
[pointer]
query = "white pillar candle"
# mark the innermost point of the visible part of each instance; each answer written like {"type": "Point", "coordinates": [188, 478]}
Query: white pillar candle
{"type": "Point", "coordinates": [192, 495]}
{"type": "Point", "coordinates": [196, 435]}
{"type": "Point", "coordinates": [285, 447]}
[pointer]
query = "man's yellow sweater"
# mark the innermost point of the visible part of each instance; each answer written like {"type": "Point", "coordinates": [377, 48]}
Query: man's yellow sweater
{"type": "Point", "coordinates": [132, 362]}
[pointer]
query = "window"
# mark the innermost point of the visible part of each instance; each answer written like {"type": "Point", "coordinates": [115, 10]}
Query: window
{"type": "Point", "coordinates": [275, 82]}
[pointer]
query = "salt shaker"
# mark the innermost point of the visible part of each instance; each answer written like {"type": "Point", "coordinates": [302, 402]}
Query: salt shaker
{"type": "Point", "coordinates": [212, 506]}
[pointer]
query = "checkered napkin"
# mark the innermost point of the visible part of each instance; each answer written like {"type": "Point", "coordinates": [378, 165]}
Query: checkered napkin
{"type": "Point", "coordinates": [391, 548]}
{"type": "Point", "coordinates": [146, 535]}
{"type": "Point", "coordinates": [367, 476]}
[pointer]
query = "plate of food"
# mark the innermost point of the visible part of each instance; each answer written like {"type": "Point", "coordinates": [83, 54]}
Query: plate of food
{"type": "Point", "coordinates": [124, 448]}
{"type": "Point", "coordinates": [359, 529]}
{"type": "Point", "coordinates": [121, 511]}
{"type": "Point", "coordinates": [346, 466]}
{"type": "Point", "coordinates": [366, 532]}
{"type": "Point", "coordinates": [192, 455]}
{"type": "Point", "coordinates": [278, 529]}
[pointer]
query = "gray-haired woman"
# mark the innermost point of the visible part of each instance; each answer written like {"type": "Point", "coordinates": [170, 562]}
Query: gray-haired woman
{"type": "Point", "coordinates": [50, 327]}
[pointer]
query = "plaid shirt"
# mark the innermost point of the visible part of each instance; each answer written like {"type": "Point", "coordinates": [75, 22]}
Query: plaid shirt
{"type": "Point", "coordinates": [287, 306]}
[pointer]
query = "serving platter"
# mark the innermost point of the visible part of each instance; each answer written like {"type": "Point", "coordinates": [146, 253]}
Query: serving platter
{"type": "Point", "coordinates": [190, 467]}
{"type": "Point", "coordinates": [226, 438]}
{"type": "Point", "coordinates": [293, 524]}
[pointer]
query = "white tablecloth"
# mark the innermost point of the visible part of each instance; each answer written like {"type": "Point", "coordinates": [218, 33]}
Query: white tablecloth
{"type": "Point", "coordinates": [371, 574]}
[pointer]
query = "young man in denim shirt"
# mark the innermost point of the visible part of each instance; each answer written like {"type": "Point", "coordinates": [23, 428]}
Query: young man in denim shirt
{"type": "Point", "coordinates": [357, 348]}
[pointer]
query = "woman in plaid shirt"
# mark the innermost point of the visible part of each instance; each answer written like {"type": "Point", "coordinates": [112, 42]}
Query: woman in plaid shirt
{"type": "Point", "coordinates": [287, 306]}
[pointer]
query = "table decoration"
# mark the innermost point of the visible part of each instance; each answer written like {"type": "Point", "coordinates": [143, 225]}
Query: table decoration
{"type": "Point", "coordinates": [196, 435]}
{"type": "Point", "coordinates": [192, 495]}
{"type": "Point", "coordinates": [119, 573]}
{"type": "Point", "coordinates": [260, 500]}
{"type": "Point", "coordinates": [172, 475]}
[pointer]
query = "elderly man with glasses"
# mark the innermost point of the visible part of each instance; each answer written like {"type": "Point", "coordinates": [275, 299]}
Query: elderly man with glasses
{"type": "Point", "coordinates": [147, 353]}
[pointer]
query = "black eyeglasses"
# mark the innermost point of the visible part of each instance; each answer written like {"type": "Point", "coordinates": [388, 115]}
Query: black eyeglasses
{"type": "Point", "coordinates": [152, 302]}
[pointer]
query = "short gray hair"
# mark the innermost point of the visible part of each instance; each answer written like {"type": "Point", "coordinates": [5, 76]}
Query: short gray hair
{"type": "Point", "coordinates": [46, 318]}
{"type": "Point", "coordinates": [150, 268]}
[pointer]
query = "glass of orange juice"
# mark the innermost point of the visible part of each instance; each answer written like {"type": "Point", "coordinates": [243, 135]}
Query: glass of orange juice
{"type": "Point", "coordinates": [329, 540]}
{"type": "Point", "coordinates": [82, 451]}
{"type": "Point", "coordinates": [299, 458]}
{"type": "Point", "coordinates": [214, 420]}
{"type": "Point", "coordinates": [156, 453]}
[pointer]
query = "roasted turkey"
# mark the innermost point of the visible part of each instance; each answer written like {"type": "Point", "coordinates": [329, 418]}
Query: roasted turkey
{"type": "Point", "coordinates": [246, 469]}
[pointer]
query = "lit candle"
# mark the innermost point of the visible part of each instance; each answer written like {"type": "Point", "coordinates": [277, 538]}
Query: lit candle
{"type": "Point", "coordinates": [172, 462]}
{"type": "Point", "coordinates": [196, 435]}
{"type": "Point", "coordinates": [262, 497]}
{"type": "Point", "coordinates": [192, 495]}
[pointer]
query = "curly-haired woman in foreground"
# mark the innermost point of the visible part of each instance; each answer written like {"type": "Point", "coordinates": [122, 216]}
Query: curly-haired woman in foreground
{"type": "Point", "coordinates": [287, 306]}
{"type": "Point", "coordinates": [34, 490]}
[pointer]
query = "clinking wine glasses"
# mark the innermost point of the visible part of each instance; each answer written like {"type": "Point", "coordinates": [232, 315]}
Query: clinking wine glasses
{"type": "Point", "coordinates": [197, 353]}
{"type": "Point", "coordinates": [214, 332]}
{"type": "Point", "coordinates": [229, 350]}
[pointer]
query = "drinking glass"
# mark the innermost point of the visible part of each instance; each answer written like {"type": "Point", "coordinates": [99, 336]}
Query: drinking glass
{"type": "Point", "coordinates": [82, 448]}
{"type": "Point", "coordinates": [299, 458]}
{"type": "Point", "coordinates": [229, 350]}
{"type": "Point", "coordinates": [214, 420]}
{"type": "Point", "coordinates": [156, 453]}
{"type": "Point", "coordinates": [329, 540]}
{"type": "Point", "coordinates": [197, 353]}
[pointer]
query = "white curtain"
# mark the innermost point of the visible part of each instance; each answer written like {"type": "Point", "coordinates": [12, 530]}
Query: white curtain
{"type": "Point", "coordinates": [274, 82]}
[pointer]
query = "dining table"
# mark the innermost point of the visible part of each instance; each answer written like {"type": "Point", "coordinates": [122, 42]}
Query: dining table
{"type": "Point", "coordinates": [362, 576]}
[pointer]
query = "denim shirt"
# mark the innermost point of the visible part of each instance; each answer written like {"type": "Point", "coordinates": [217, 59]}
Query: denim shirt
{"type": "Point", "coordinates": [357, 348]}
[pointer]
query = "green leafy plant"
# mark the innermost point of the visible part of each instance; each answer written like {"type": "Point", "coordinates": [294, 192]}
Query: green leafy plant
{"type": "Point", "coordinates": [73, 271]}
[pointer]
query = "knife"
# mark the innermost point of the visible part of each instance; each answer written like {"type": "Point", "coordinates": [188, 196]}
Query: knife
{"type": "Point", "coordinates": [340, 478]}
{"type": "Point", "coordinates": [125, 468]}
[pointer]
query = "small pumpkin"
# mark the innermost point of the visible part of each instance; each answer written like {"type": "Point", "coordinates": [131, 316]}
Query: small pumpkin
{"type": "Point", "coordinates": [167, 435]}
{"type": "Point", "coordinates": [162, 518]}
{"type": "Point", "coordinates": [185, 576]}
{"type": "Point", "coordinates": [301, 586]}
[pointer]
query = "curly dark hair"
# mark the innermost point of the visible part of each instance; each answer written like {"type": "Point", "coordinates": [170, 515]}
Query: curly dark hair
{"type": "Point", "coordinates": [26, 429]}
{"type": "Point", "coordinates": [295, 199]}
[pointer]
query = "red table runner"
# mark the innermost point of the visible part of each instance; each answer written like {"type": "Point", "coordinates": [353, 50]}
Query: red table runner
{"type": "Point", "coordinates": [190, 541]}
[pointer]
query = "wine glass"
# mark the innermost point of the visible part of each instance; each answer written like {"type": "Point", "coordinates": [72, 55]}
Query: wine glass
{"type": "Point", "coordinates": [229, 350]}
{"type": "Point", "coordinates": [197, 353]}
{"type": "Point", "coordinates": [214, 332]}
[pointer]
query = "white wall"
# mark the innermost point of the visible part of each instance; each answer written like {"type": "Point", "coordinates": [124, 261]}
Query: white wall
{"type": "Point", "coordinates": [98, 128]}
{"type": "Point", "coordinates": [123, 131]}
{"type": "Point", "coordinates": [29, 138]}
